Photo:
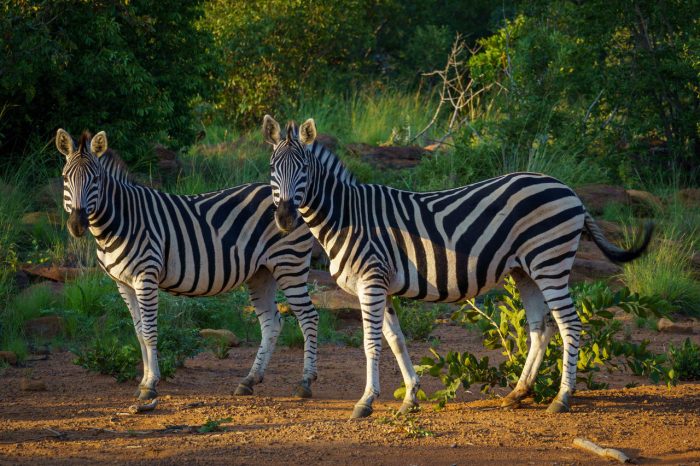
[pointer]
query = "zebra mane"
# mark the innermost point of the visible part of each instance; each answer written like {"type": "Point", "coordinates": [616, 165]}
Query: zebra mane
{"type": "Point", "coordinates": [84, 141]}
{"type": "Point", "coordinates": [327, 158]}
{"type": "Point", "coordinates": [115, 166]}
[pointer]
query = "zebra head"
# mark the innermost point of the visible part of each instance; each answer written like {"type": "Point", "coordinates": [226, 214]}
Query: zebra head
{"type": "Point", "coordinates": [82, 177]}
{"type": "Point", "coordinates": [289, 167]}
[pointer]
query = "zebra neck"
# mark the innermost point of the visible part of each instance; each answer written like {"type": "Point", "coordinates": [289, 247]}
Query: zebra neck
{"type": "Point", "coordinates": [330, 203]}
{"type": "Point", "coordinates": [112, 214]}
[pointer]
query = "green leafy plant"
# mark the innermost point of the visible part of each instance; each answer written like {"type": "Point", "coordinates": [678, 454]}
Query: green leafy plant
{"type": "Point", "coordinates": [684, 361]}
{"type": "Point", "coordinates": [502, 320]}
{"type": "Point", "coordinates": [417, 322]}
{"type": "Point", "coordinates": [213, 425]}
{"type": "Point", "coordinates": [407, 424]}
{"type": "Point", "coordinates": [109, 356]}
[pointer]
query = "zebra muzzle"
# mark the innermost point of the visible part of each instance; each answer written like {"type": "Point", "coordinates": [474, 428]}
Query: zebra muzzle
{"type": "Point", "coordinates": [286, 216]}
{"type": "Point", "coordinates": [77, 222]}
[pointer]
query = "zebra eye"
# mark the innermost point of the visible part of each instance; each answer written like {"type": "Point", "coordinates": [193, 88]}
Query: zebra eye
{"type": "Point", "coordinates": [65, 179]}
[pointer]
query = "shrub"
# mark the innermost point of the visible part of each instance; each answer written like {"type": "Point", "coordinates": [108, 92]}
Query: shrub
{"type": "Point", "coordinates": [503, 322]}
{"type": "Point", "coordinates": [109, 356]}
{"type": "Point", "coordinates": [685, 361]}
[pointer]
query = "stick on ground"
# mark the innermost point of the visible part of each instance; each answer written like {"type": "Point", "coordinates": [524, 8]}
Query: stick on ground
{"type": "Point", "coordinates": [609, 453]}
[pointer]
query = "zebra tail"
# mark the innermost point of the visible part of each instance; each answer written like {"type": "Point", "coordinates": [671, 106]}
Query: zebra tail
{"type": "Point", "coordinates": [613, 252]}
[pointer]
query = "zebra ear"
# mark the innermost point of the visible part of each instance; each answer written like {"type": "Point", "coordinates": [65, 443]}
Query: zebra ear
{"type": "Point", "coordinates": [307, 132]}
{"type": "Point", "coordinates": [271, 130]}
{"type": "Point", "coordinates": [98, 145]}
{"type": "Point", "coordinates": [64, 143]}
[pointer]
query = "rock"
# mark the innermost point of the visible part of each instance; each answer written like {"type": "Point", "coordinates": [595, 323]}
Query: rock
{"type": "Point", "coordinates": [335, 300]}
{"type": "Point", "coordinates": [612, 230]}
{"type": "Point", "coordinates": [28, 385]}
{"type": "Point", "coordinates": [168, 163]}
{"type": "Point", "coordinates": [55, 272]}
{"type": "Point", "coordinates": [388, 156]}
{"type": "Point", "coordinates": [596, 196]}
{"type": "Point", "coordinates": [590, 270]}
{"type": "Point", "coordinates": [54, 288]}
{"type": "Point", "coordinates": [317, 251]}
{"type": "Point", "coordinates": [223, 335]}
{"type": "Point", "coordinates": [666, 326]}
{"type": "Point", "coordinates": [695, 262]}
{"type": "Point", "coordinates": [328, 141]}
{"type": "Point", "coordinates": [689, 197]}
{"type": "Point", "coordinates": [32, 219]}
{"type": "Point", "coordinates": [644, 203]}
{"type": "Point", "coordinates": [50, 195]}
{"type": "Point", "coordinates": [9, 357]}
{"type": "Point", "coordinates": [46, 327]}
{"type": "Point", "coordinates": [321, 277]}
{"type": "Point", "coordinates": [21, 280]}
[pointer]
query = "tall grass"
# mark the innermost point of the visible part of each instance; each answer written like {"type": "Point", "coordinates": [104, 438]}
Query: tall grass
{"type": "Point", "coordinates": [666, 269]}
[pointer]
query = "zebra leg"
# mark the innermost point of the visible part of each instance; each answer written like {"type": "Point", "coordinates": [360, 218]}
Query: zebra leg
{"type": "Point", "coordinates": [372, 301]}
{"type": "Point", "coordinates": [146, 289]}
{"type": "Point", "coordinates": [397, 343]}
{"type": "Point", "coordinates": [569, 323]}
{"type": "Point", "coordinates": [262, 289]}
{"type": "Point", "coordinates": [541, 330]}
{"type": "Point", "coordinates": [307, 316]}
{"type": "Point", "coordinates": [129, 296]}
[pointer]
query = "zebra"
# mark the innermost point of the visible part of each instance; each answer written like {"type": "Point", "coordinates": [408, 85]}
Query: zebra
{"type": "Point", "coordinates": [198, 245]}
{"type": "Point", "coordinates": [443, 246]}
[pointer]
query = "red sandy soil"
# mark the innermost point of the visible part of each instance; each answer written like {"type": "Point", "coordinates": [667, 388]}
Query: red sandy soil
{"type": "Point", "coordinates": [77, 420]}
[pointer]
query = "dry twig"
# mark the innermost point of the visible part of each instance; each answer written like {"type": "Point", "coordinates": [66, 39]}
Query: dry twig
{"type": "Point", "coordinates": [609, 453]}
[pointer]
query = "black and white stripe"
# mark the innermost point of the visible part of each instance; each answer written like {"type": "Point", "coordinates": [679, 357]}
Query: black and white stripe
{"type": "Point", "coordinates": [198, 245]}
{"type": "Point", "coordinates": [439, 246]}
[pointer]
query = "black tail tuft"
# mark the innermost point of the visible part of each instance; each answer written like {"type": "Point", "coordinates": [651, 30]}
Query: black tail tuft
{"type": "Point", "coordinates": [612, 252]}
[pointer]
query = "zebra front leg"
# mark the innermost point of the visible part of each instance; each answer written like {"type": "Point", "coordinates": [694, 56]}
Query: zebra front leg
{"type": "Point", "coordinates": [147, 296]}
{"type": "Point", "coordinates": [262, 289]}
{"type": "Point", "coordinates": [372, 301]}
{"type": "Point", "coordinates": [397, 343]}
{"type": "Point", "coordinates": [129, 296]}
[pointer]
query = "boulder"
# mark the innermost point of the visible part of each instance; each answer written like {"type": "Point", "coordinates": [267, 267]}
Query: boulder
{"type": "Point", "coordinates": [667, 326]}
{"type": "Point", "coordinates": [169, 165]}
{"type": "Point", "coordinates": [224, 335]}
{"type": "Point", "coordinates": [9, 357]}
{"type": "Point", "coordinates": [29, 385]}
{"type": "Point", "coordinates": [335, 300]}
{"type": "Point", "coordinates": [321, 278]}
{"type": "Point", "coordinates": [328, 141]}
{"type": "Point", "coordinates": [596, 196]}
{"type": "Point", "coordinates": [644, 203]}
{"type": "Point", "coordinates": [46, 327]}
{"type": "Point", "coordinates": [32, 219]}
{"type": "Point", "coordinates": [55, 272]}
{"type": "Point", "coordinates": [50, 195]}
{"type": "Point", "coordinates": [689, 197]}
{"type": "Point", "coordinates": [388, 156]}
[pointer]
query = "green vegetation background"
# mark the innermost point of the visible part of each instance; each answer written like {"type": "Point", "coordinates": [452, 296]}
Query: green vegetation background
{"type": "Point", "coordinates": [594, 91]}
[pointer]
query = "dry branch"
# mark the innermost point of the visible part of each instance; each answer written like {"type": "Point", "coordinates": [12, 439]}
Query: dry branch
{"type": "Point", "coordinates": [609, 453]}
{"type": "Point", "coordinates": [135, 409]}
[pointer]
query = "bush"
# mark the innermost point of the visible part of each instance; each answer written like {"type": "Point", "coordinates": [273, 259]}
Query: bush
{"type": "Point", "coordinates": [685, 361]}
{"type": "Point", "coordinates": [129, 68]}
{"type": "Point", "coordinates": [503, 323]}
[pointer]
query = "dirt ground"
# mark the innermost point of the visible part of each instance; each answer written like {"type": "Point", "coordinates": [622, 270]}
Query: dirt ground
{"type": "Point", "coordinates": [77, 419]}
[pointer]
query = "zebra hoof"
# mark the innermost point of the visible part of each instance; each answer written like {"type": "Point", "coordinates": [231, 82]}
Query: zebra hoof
{"type": "Point", "coordinates": [558, 407]}
{"type": "Point", "coordinates": [408, 407]}
{"type": "Point", "coordinates": [147, 394]}
{"type": "Point", "coordinates": [137, 393]}
{"type": "Point", "coordinates": [361, 411]}
{"type": "Point", "coordinates": [302, 391]}
{"type": "Point", "coordinates": [243, 390]}
{"type": "Point", "coordinates": [510, 403]}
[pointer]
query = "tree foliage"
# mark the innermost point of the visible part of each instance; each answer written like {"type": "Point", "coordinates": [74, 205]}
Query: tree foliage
{"type": "Point", "coordinates": [131, 68]}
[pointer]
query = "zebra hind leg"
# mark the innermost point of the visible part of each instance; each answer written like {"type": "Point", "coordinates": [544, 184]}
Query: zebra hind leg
{"type": "Point", "coordinates": [298, 297]}
{"type": "Point", "coordinates": [397, 343]}
{"type": "Point", "coordinates": [541, 330]}
{"type": "Point", "coordinates": [262, 289]}
{"type": "Point", "coordinates": [562, 307]}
